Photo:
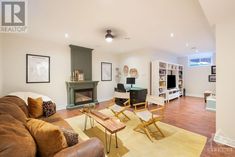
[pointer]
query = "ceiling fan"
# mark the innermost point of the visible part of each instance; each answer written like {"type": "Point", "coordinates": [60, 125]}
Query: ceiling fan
{"type": "Point", "coordinates": [109, 37]}
{"type": "Point", "coordinates": [112, 34]}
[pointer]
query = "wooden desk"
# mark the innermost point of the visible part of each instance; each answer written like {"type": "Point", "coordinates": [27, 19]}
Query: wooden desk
{"type": "Point", "coordinates": [110, 124]}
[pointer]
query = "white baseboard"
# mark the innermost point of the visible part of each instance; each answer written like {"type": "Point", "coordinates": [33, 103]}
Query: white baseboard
{"type": "Point", "coordinates": [195, 95]}
{"type": "Point", "coordinates": [60, 107]}
{"type": "Point", "coordinates": [210, 109]}
{"type": "Point", "coordinates": [104, 99]}
{"type": "Point", "coordinates": [224, 140]}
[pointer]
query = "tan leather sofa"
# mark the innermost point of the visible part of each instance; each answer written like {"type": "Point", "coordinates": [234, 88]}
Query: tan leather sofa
{"type": "Point", "coordinates": [15, 139]}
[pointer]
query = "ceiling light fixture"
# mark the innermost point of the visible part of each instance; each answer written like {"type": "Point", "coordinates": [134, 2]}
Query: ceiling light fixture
{"type": "Point", "coordinates": [66, 35]}
{"type": "Point", "coordinates": [172, 35]}
{"type": "Point", "coordinates": [109, 36]}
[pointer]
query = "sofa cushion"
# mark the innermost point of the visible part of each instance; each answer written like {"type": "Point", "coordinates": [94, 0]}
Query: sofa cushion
{"type": "Point", "coordinates": [15, 139]}
{"type": "Point", "coordinates": [49, 138]}
{"type": "Point", "coordinates": [13, 106]}
{"type": "Point", "coordinates": [35, 107]}
{"type": "Point", "coordinates": [49, 108]}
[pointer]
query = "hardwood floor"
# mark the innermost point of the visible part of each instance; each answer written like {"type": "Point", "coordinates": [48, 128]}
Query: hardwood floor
{"type": "Point", "coordinates": [187, 113]}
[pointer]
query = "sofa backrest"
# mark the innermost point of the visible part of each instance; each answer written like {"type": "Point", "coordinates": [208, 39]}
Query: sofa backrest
{"type": "Point", "coordinates": [24, 96]}
{"type": "Point", "coordinates": [15, 107]}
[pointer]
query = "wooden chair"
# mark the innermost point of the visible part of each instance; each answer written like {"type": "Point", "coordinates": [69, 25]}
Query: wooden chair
{"type": "Point", "coordinates": [147, 117]}
{"type": "Point", "coordinates": [119, 110]}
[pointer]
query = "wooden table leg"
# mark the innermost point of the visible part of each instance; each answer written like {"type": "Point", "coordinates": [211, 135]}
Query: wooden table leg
{"type": "Point", "coordinates": [108, 143]}
{"type": "Point", "coordinates": [116, 140]}
{"type": "Point", "coordinates": [85, 122]}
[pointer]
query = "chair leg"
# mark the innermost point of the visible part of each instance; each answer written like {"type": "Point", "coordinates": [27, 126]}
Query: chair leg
{"type": "Point", "coordinates": [148, 134]}
{"type": "Point", "coordinates": [125, 115]}
{"type": "Point", "coordinates": [159, 129]}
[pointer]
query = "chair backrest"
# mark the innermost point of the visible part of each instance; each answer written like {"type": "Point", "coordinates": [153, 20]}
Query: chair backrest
{"type": "Point", "coordinates": [155, 100]}
{"type": "Point", "coordinates": [120, 87]}
{"type": "Point", "coordinates": [122, 95]}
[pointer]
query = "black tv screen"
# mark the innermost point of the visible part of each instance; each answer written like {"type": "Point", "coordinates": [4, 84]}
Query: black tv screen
{"type": "Point", "coordinates": [130, 80]}
{"type": "Point", "coordinates": [171, 81]}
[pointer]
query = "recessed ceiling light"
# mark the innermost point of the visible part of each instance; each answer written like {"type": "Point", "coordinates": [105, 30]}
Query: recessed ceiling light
{"type": "Point", "coordinates": [172, 35]}
{"type": "Point", "coordinates": [66, 35]}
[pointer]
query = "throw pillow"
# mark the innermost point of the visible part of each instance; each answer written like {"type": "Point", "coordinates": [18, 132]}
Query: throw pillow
{"type": "Point", "coordinates": [49, 108]}
{"type": "Point", "coordinates": [49, 138]}
{"type": "Point", "coordinates": [70, 136]}
{"type": "Point", "coordinates": [35, 107]}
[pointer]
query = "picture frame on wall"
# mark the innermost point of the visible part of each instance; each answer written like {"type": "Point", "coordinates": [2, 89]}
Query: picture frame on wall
{"type": "Point", "coordinates": [213, 69]}
{"type": "Point", "coordinates": [37, 68]}
{"type": "Point", "coordinates": [212, 78]}
{"type": "Point", "coordinates": [106, 71]}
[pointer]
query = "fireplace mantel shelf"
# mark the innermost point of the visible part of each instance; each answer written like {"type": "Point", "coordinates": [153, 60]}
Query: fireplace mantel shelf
{"type": "Point", "coordinates": [80, 82]}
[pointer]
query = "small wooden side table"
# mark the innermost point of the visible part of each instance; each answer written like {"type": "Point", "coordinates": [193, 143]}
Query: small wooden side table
{"type": "Point", "coordinates": [110, 124]}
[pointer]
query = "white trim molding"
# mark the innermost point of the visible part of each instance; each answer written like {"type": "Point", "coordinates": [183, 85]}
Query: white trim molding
{"type": "Point", "coordinates": [195, 95]}
{"type": "Point", "coordinates": [220, 138]}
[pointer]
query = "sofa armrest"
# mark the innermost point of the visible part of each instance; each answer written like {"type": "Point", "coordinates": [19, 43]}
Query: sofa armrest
{"type": "Point", "coordinates": [90, 148]}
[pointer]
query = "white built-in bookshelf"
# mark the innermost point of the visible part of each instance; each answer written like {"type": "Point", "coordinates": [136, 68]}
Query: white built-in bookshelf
{"type": "Point", "coordinates": [159, 72]}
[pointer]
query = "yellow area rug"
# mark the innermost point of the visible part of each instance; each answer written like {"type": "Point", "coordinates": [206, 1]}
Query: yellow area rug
{"type": "Point", "coordinates": [177, 143]}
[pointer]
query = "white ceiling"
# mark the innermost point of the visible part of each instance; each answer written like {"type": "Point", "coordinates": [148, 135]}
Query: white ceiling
{"type": "Point", "coordinates": [148, 24]}
{"type": "Point", "coordinates": [218, 11]}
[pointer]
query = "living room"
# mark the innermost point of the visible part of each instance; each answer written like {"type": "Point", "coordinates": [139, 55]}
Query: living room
{"type": "Point", "coordinates": [73, 40]}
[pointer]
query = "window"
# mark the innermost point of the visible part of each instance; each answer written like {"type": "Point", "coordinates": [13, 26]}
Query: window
{"type": "Point", "coordinates": [203, 59]}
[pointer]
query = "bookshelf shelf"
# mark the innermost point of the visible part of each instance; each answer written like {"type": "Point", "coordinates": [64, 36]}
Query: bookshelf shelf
{"type": "Point", "coordinates": [159, 72]}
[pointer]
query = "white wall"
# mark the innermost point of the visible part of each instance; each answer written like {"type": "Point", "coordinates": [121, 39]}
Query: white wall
{"type": "Point", "coordinates": [225, 41]}
{"type": "Point", "coordinates": [141, 61]}
{"type": "Point", "coordinates": [1, 73]}
{"type": "Point", "coordinates": [16, 47]}
{"type": "Point", "coordinates": [196, 79]}
{"type": "Point", "coordinates": [105, 89]}
{"type": "Point", "coordinates": [14, 63]}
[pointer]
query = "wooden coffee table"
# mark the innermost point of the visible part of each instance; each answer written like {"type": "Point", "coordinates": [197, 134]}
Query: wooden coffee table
{"type": "Point", "coordinates": [110, 124]}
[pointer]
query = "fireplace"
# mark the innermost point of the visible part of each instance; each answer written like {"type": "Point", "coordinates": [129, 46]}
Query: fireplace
{"type": "Point", "coordinates": [83, 96]}
{"type": "Point", "coordinates": [81, 93]}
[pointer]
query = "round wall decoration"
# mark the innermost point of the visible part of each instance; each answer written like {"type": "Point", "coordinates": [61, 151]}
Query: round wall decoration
{"type": "Point", "coordinates": [134, 72]}
{"type": "Point", "coordinates": [125, 70]}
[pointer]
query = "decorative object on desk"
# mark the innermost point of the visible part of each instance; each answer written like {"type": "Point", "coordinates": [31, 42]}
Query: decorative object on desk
{"type": "Point", "coordinates": [130, 80]}
{"type": "Point", "coordinates": [213, 69]}
{"type": "Point", "coordinates": [134, 73]}
{"type": "Point", "coordinates": [125, 70]}
{"type": "Point", "coordinates": [37, 69]}
{"type": "Point", "coordinates": [118, 75]}
{"type": "Point", "coordinates": [106, 71]}
{"type": "Point", "coordinates": [212, 78]}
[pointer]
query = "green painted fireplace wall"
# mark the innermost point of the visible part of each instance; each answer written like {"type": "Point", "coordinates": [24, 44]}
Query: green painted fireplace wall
{"type": "Point", "coordinates": [81, 59]}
